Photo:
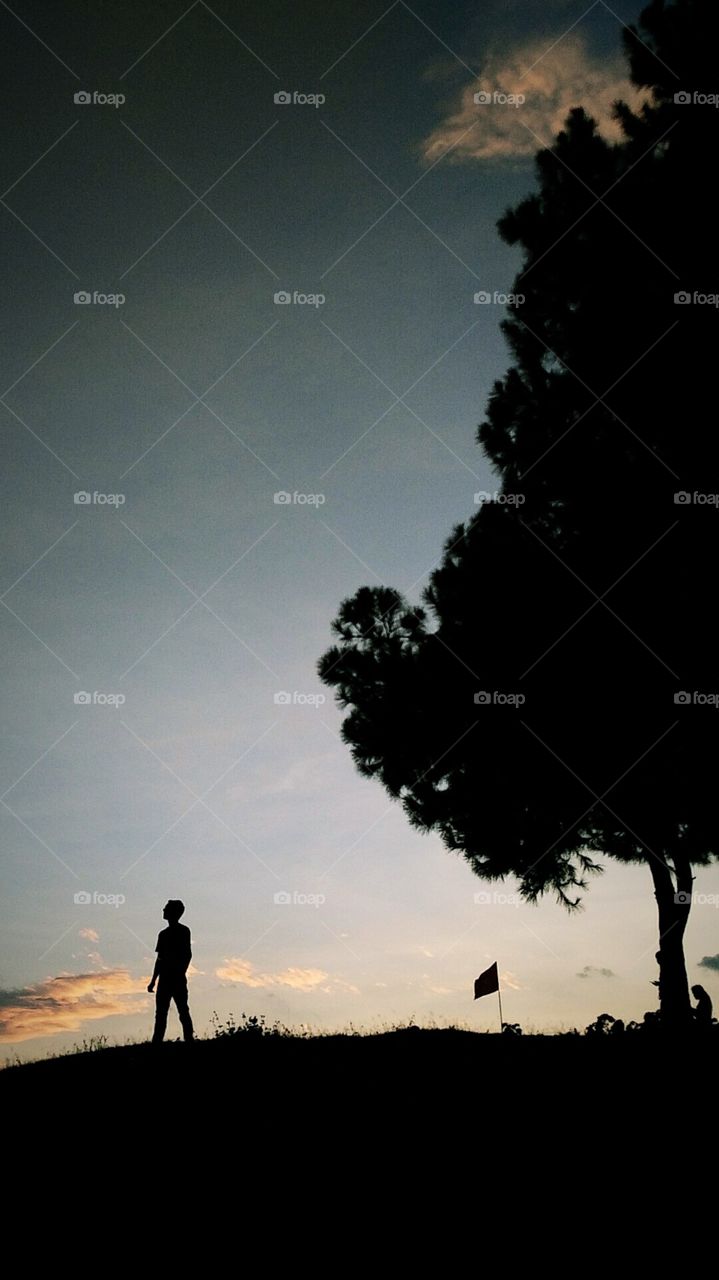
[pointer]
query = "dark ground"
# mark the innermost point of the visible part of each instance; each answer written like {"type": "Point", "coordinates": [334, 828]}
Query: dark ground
{"type": "Point", "coordinates": [411, 1144]}
{"type": "Point", "coordinates": [392, 1062]}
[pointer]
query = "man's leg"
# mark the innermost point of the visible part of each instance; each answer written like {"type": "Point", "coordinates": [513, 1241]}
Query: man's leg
{"type": "Point", "coordinates": [180, 994]}
{"type": "Point", "coordinates": [162, 1004]}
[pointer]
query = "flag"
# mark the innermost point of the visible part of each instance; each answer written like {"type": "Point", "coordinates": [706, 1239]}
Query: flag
{"type": "Point", "coordinates": [487, 982]}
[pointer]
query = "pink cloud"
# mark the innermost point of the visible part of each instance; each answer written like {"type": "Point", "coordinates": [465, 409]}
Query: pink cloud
{"type": "Point", "coordinates": [66, 1002]}
{"type": "Point", "coordinates": [551, 82]}
{"type": "Point", "coordinates": [242, 971]}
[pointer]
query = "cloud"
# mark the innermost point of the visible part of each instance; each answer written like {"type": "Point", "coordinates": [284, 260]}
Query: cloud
{"type": "Point", "coordinates": [306, 777]}
{"type": "Point", "coordinates": [508, 979]}
{"type": "Point", "coordinates": [434, 987]}
{"type": "Point", "coordinates": [91, 934]}
{"type": "Point", "coordinates": [710, 962]}
{"type": "Point", "coordinates": [552, 83]}
{"type": "Point", "coordinates": [68, 1001]}
{"type": "Point", "coordinates": [243, 971]}
{"type": "Point", "coordinates": [339, 984]}
{"type": "Point", "coordinates": [591, 971]}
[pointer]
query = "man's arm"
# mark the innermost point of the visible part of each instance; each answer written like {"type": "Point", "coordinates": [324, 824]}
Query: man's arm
{"type": "Point", "coordinates": [156, 970]}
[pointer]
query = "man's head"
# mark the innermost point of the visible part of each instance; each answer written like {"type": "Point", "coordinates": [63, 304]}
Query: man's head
{"type": "Point", "coordinates": [698, 991]}
{"type": "Point", "coordinates": [173, 910]}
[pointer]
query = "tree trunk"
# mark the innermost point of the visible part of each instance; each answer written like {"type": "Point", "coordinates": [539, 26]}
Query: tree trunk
{"type": "Point", "coordinates": [673, 893]}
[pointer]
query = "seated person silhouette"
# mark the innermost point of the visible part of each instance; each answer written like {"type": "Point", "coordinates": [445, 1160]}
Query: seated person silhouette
{"type": "Point", "coordinates": [703, 1011]}
{"type": "Point", "coordinates": [174, 952]}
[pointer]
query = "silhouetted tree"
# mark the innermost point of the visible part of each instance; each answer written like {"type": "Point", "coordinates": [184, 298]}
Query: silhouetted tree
{"type": "Point", "coordinates": [601, 1026]}
{"type": "Point", "coordinates": [593, 599]}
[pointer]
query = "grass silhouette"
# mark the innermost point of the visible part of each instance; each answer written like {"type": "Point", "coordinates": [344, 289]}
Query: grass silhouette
{"type": "Point", "coordinates": [271, 1060]}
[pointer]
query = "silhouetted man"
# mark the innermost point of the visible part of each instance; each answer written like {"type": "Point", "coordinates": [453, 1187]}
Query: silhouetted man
{"type": "Point", "coordinates": [174, 953]}
{"type": "Point", "coordinates": [703, 1011]}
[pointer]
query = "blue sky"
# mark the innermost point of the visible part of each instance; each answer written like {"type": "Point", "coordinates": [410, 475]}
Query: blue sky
{"type": "Point", "coordinates": [186, 589]}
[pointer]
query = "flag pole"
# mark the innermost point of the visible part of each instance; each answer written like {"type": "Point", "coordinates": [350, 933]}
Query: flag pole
{"type": "Point", "coordinates": [499, 997]}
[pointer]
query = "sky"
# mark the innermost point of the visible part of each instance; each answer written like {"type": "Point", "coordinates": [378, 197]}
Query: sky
{"type": "Point", "coordinates": [242, 371]}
